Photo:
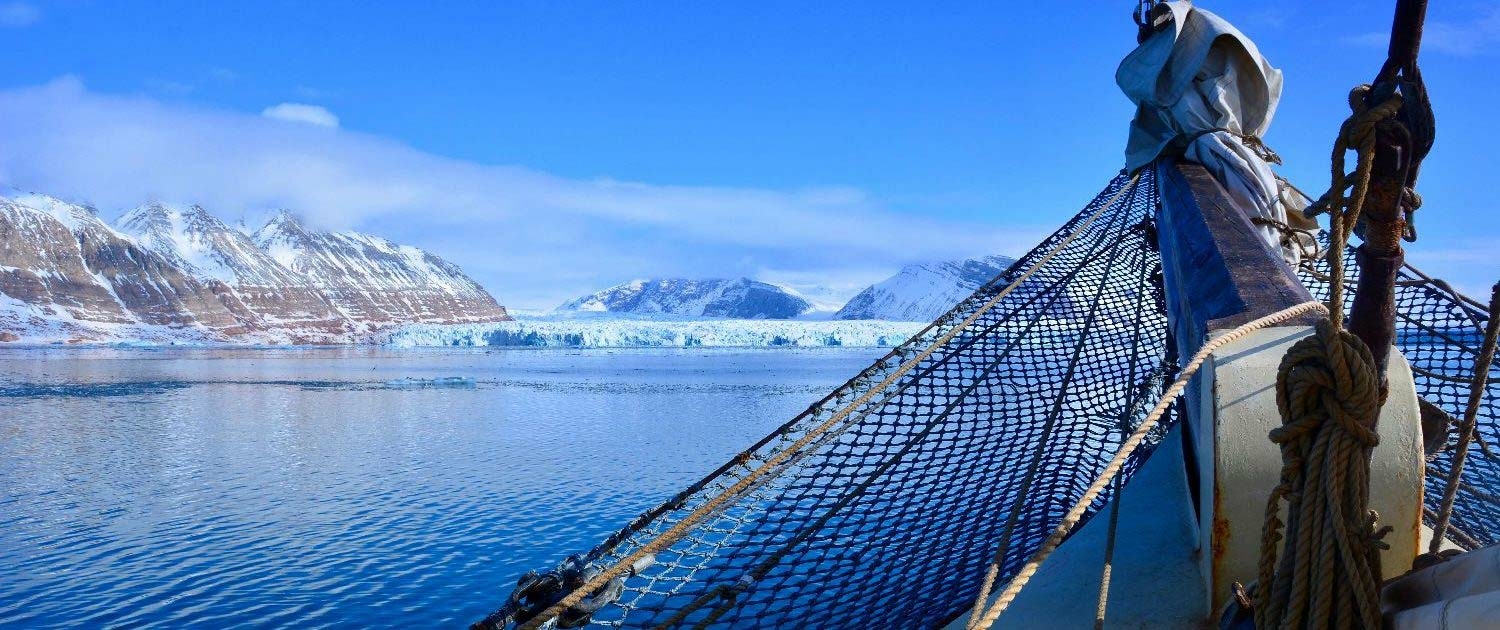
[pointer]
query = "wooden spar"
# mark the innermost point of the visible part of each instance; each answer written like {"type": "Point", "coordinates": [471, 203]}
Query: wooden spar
{"type": "Point", "coordinates": [1219, 270]}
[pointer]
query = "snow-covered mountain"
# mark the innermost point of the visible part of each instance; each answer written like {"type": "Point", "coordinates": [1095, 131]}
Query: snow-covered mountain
{"type": "Point", "coordinates": [923, 292]}
{"type": "Point", "coordinates": [739, 298]}
{"type": "Point", "coordinates": [178, 274]}
{"type": "Point", "coordinates": [371, 279]}
{"type": "Point", "coordinates": [205, 247]}
{"type": "Point", "coordinates": [65, 270]}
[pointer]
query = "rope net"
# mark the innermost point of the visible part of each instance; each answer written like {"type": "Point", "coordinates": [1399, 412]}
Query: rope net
{"type": "Point", "coordinates": [1440, 332]}
{"type": "Point", "coordinates": [889, 517]}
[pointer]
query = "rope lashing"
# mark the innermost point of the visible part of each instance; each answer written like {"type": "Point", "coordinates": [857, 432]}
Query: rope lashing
{"type": "Point", "coordinates": [1356, 134]}
{"type": "Point", "coordinates": [1328, 393]}
{"type": "Point", "coordinates": [1466, 432]}
{"type": "Point", "coordinates": [1304, 241]}
{"type": "Point", "coordinates": [680, 529]}
{"type": "Point", "coordinates": [1071, 519]}
{"type": "Point", "coordinates": [537, 592]}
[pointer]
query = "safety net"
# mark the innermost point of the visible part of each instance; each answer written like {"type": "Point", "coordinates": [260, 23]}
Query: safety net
{"type": "Point", "coordinates": [1440, 330]}
{"type": "Point", "coordinates": [882, 504]}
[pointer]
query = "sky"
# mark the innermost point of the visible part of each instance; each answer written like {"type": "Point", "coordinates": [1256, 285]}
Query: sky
{"type": "Point", "coordinates": [553, 149]}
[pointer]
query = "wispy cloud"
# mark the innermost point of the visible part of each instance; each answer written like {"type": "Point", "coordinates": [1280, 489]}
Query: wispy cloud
{"type": "Point", "coordinates": [302, 113]}
{"type": "Point", "coordinates": [532, 237]}
{"type": "Point", "coordinates": [222, 74]}
{"type": "Point", "coordinates": [1480, 34]}
{"type": "Point", "coordinates": [174, 88]}
{"type": "Point", "coordinates": [18, 14]}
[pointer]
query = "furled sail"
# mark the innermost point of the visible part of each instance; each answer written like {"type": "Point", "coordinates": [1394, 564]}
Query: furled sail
{"type": "Point", "coordinates": [1203, 91]}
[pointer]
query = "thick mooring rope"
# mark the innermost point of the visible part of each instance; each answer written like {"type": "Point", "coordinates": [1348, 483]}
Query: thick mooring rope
{"type": "Point", "coordinates": [1329, 395]}
{"type": "Point", "coordinates": [1482, 365]}
{"type": "Point", "coordinates": [1071, 519]}
{"type": "Point", "coordinates": [667, 538]}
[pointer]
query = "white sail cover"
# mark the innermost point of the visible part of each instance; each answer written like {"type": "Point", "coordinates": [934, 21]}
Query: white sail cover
{"type": "Point", "coordinates": [1201, 87]}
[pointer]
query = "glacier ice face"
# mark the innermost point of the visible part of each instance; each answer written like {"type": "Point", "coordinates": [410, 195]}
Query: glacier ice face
{"type": "Point", "coordinates": [647, 333]}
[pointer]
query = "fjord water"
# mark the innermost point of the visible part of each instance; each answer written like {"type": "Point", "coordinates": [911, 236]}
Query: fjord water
{"type": "Point", "coordinates": [344, 487]}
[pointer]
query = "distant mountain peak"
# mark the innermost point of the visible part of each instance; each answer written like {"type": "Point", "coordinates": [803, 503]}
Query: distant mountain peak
{"type": "Point", "coordinates": [923, 292]}
{"type": "Point", "coordinates": [372, 278]}
{"type": "Point", "coordinates": [740, 298]}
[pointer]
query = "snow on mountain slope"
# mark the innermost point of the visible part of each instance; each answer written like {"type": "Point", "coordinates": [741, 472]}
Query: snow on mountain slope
{"type": "Point", "coordinates": [646, 333]}
{"type": "Point", "coordinates": [207, 248]}
{"type": "Point", "coordinates": [740, 298]}
{"type": "Point", "coordinates": [372, 280]}
{"type": "Point", "coordinates": [923, 292]}
{"type": "Point", "coordinates": [60, 261]}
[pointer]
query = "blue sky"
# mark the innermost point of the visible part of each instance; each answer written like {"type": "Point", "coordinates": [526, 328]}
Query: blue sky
{"type": "Point", "coordinates": [552, 149]}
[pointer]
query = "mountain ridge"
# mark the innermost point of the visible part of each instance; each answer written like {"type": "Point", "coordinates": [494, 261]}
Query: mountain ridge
{"type": "Point", "coordinates": [177, 273]}
{"type": "Point", "coordinates": [923, 292]}
{"type": "Point", "coordinates": [737, 298]}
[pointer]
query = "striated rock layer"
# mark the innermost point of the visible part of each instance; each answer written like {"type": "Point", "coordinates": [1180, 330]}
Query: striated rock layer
{"type": "Point", "coordinates": [373, 280]}
{"type": "Point", "coordinates": [180, 274]}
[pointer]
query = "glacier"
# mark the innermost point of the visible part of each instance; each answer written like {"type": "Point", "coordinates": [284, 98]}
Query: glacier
{"type": "Point", "coordinates": [656, 333]}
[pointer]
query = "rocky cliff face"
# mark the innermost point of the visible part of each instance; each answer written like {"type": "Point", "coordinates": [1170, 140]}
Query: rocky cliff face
{"type": "Point", "coordinates": [922, 293]}
{"type": "Point", "coordinates": [179, 274]}
{"type": "Point", "coordinates": [740, 298]}
{"type": "Point", "coordinates": [371, 279]}
{"type": "Point", "coordinates": [213, 252]}
{"type": "Point", "coordinates": [61, 261]}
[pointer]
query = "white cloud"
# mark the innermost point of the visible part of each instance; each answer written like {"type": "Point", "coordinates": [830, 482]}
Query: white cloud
{"type": "Point", "coordinates": [1470, 37]}
{"type": "Point", "coordinates": [18, 14]}
{"type": "Point", "coordinates": [533, 238]}
{"type": "Point", "coordinates": [1477, 34]}
{"type": "Point", "coordinates": [302, 113]}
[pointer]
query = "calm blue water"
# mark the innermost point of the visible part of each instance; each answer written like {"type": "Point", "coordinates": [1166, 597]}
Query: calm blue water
{"type": "Point", "coordinates": [334, 488]}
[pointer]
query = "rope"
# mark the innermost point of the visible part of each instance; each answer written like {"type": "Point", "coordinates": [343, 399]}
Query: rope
{"type": "Point", "coordinates": [1328, 394]}
{"type": "Point", "coordinates": [1305, 241]}
{"type": "Point", "coordinates": [1357, 133]}
{"type": "Point", "coordinates": [681, 528]}
{"type": "Point", "coordinates": [1074, 515]}
{"type": "Point", "coordinates": [1466, 432]}
{"type": "Point", "coordinates": [1109, 557]}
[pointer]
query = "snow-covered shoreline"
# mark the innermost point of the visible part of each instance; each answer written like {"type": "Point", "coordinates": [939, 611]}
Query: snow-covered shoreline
{"type": "Point", "coordinates": [652, 333]}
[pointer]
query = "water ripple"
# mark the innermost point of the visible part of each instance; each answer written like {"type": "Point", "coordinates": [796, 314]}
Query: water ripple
{"type": "Point", "coordinates": [337, 488]}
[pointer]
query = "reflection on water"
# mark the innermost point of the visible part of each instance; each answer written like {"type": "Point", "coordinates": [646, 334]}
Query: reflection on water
{"type": "Point", "coordinates": [341, 487]}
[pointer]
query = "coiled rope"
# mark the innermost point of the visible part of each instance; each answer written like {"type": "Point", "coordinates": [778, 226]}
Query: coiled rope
{"type": "Point", "coordinates": [667, 538]}
{"type": "Point", "coordinates": [1329, 395]}
{"type": "Point", "coordinates": [987, 618]}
